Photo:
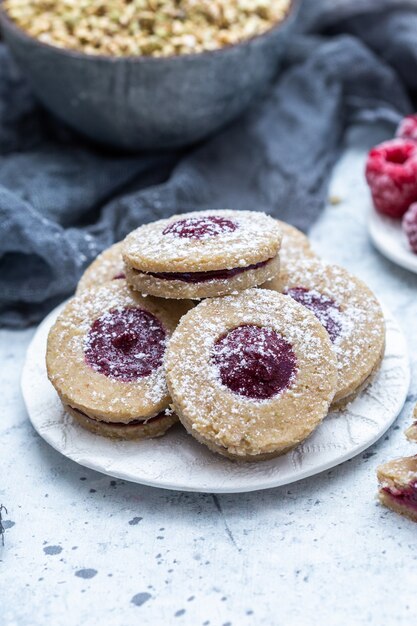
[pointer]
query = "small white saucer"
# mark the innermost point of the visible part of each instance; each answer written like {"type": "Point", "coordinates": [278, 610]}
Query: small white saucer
{"type": "Point", "coordinates": [387, 235]}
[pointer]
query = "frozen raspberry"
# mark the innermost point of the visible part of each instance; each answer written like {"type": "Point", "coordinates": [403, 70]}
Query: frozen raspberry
{"type": "Point", "coordinates": [391, 173]}
{"type": "Point", "coordinates": [407, 128]}
{"type": "Point", "coordinates": [409, 225]}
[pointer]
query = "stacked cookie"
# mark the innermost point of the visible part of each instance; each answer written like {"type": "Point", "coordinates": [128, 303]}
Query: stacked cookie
{"type": "Point", "coordinates": [226, 320]}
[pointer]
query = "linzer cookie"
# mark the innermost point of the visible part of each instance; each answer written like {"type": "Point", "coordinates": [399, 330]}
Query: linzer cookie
{"type": "Point", "coordinates": [202, 254]}
{"type": "Point", "coordinates": [107, 266]}
{"type": "Point", "coordinates": [398, 486]}
{"type": "Point", "coordinates": [105, 358]}
{"type": "Point", "coordinates": [251, 375]}
{"type": "Point", "coordinates": [295, 245]}
{"type": "Point", "coordinates": [350, 313]}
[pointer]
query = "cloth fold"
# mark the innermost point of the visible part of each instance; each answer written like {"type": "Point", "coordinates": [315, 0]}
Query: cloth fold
{"type": "Point", "coordinates": [62, 199]}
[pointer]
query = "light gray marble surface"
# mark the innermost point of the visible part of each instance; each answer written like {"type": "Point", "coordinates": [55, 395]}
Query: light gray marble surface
{"type": "Point", "coordinates": [81, 548]}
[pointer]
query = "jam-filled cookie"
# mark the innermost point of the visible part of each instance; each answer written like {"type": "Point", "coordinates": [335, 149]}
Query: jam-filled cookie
{"type": "Point", "coordinates": [107, 266]}
{"type": "Point", "coordinates": [295, 245]}
{"type": "Point", "coordinates": [202, 254]}
{"type": "Point", "coordinates": [351, 314]}
{"type": "Point", "coordinates": [250, 375]}
{"type": "Point", "coordinates": [398, 486]}
{"type": "Point", "coordinates": [105, 358]}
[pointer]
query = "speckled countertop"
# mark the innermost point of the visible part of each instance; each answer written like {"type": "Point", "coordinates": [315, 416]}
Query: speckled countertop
{"type": "Point", "coordinates": [81, 548]}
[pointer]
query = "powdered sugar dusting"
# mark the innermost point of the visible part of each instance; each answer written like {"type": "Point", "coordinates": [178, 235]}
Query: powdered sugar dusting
{"type": "Point", "coordinates": [324, 308]}
{"type": "Point", "coordinates": [107, 266]}
{"type": "Point", "coordinates": [295, 246]}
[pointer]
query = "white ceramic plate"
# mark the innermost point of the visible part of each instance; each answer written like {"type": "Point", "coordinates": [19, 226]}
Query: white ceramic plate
{"type": "Point", "coordinates": [176, 461]}
{"type": "Point", "coordinates": [387, 235]}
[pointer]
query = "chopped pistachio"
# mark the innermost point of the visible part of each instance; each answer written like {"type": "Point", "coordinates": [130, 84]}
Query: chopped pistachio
{"type": "Point", "coordinates": [145, 27]}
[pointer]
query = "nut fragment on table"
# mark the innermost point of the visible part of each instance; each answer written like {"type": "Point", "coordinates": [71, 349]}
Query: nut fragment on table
{"type": "Point", "coordinates": [145, 27]}
{"type": "Point", "coordinates": [411, 432]}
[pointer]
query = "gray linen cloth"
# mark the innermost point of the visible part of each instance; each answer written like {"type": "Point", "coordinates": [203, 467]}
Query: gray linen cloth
{"type": "Point", "coordinates": [62, 199]}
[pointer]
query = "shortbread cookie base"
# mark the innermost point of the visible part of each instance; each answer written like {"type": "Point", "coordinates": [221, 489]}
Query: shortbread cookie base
{"type": "Point", "coordinates": [233, 456]}
{"type": "Point", "coordinates": [124, 432]}
{"type": "Point", "coordinates": [341, 403]}
{"type": "Point", "coordinates": [107, 266]}
{"type": "Point", "coordinates": [295, 245]}
{"type": "Point", "coordinates": [177, 289]}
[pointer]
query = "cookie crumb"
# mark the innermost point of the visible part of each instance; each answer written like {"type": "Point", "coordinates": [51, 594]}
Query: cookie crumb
{"type": "Point", "coordinates": [335, 200]}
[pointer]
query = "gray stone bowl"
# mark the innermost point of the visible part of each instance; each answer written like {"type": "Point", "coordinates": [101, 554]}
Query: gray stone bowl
{"type": "Point", "coordinates": [137, 103]}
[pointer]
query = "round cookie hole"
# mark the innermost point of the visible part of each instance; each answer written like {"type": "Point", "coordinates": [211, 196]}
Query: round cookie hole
{"type": "Point", "coordinates": [200, 227]}
{"type": "Point", "coordinates": [255, 362]}
{"type": "Point", "coordinates": [125, 344]}
{"type": "Point", "coordinates": [323, 307]}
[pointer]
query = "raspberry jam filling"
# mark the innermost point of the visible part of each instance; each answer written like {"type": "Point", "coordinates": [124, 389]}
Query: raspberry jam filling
{"type": "Point", "coordinates": [119, 276]}
{"type": "Point", "coordinates": [200, 227]}
{"type": "Point", "coordinates": [125, 344]}
{"type": "Point", "coordinates": [203, 277]}
{"type": "Point", "coordinates": [324, 308]}
{"type": "Point", "coordinates": [406, 496]}
{"type": "Point", "coordinates": [255, 362]}
{"type": "Point", "coordinates": [136, 422]}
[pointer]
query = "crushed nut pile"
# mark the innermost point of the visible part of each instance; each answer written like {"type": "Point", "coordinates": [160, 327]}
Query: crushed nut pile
{"type": "Point", "coordinates": [145, 27]}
